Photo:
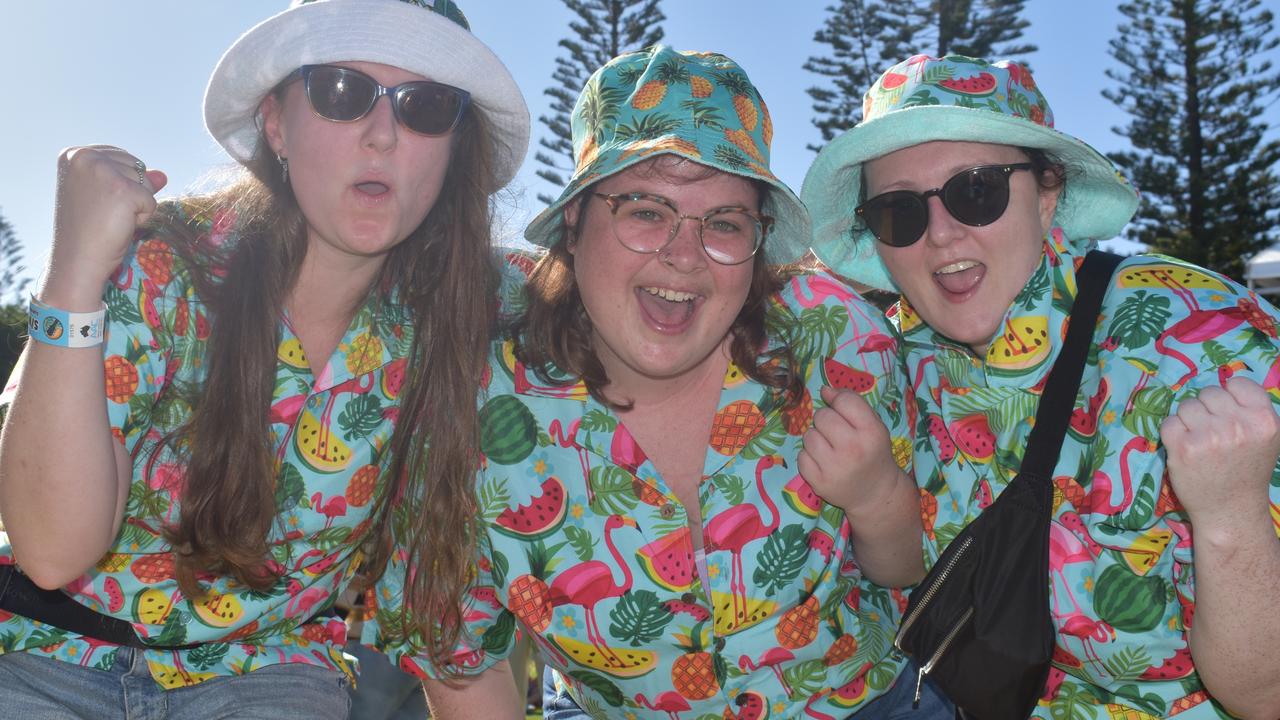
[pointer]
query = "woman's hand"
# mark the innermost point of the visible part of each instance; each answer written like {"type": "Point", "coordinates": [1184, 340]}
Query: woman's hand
{"type": "Point", "coordinates": [103, 196]}
{"type": "Point", "coordinates": [847, 455]}
{"type": "Point", "coordinates": [1222, 448]}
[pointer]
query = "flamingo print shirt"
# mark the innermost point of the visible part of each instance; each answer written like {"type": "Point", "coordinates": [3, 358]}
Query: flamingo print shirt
{"type": "Point", "coordinates": [328, 426]}
{"type": "Point", "coordinates": [1121, 563]}
{"type": "Point", "coordinates": [589, 549]}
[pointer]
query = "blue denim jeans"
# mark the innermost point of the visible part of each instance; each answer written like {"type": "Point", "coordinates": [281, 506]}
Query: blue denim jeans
{"type": "Point", "coordinates": [40, 688]}
{"type": "Point", "coordinates": [896, 704]}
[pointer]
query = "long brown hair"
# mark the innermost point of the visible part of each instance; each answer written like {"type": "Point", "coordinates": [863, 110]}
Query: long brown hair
{"type": "Point", "coordinates": [445, 277]}
{"type": "Point", "coordinates": [555, 332]}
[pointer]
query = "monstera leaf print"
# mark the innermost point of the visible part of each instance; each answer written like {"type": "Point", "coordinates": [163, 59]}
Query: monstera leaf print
{"type": "Point", "coordinates": [1140, 319]}
{"type": "Point", "coordinates": [1150, 408]}
{"type": "Point", "coordinates": [639, 618]}
{"type": "Point", "coordinates": [782, 559]}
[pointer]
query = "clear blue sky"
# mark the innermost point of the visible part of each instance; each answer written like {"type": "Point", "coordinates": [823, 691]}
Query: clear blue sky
{"type": "Point", "coordinates": [132, 73]}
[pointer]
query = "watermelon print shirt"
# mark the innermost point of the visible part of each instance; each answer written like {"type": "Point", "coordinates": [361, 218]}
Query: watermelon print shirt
{"type": "Point", "coordinates": [1121, 564]}
{"type": "Point", "coordinates": [328, 427]}
{"type": "Point", "coordinates": [589, 548]}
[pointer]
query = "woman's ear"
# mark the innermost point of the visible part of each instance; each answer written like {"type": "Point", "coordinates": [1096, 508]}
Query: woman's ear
{"type": "Point", "coordinates": [1049, 204]}
{"type": "Point", "coordinates": [271, 110]}
{"type": "Point", "coordinates": [570, 215]}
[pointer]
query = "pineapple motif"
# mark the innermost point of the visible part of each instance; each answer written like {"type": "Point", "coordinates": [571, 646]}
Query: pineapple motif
{"type": "Point", "coordinates": [113, 562]}
{"type": "Point", "coordinates": [693, 674]}
{"type": "Point", "coordinates": [364, 355]}
{"type": "Point", "coordinates": [844, 646]}
{"type": "Point", "coordinates": [651, 94]}
{"type": "Point", "coordinates": [528, 597]}
{"type": "Point", "coordinates": [156, 259]}
{"type": "Point", "coordinates": [766, 123]}
{"type": "Point", "coordinates": [700, 86]}
{"type": "Point", "coordinates": [798, 419]}
{"type": "Point", "coordinates": [122, 373]}
{"type": "Point", "coordinates": [743, 141]}
{"type": "Point", "coordinates": [155, 568]}
{"type": "Point", "coordinates": [360, 489]}
{"type": "Point", "coordinates": [798, 626]}
{"type": "Point", "coordinates": [735, 425]}
{"type": "Point", "coordinates": [743, 104]}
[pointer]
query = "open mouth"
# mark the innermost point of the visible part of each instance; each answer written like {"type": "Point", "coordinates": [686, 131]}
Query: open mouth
{"type": "Point", "coordinates": [374, 189]}
{"type": "Point", "coordinates": [960, 277]}
{"type": "Point", "coordinates": [667, 309]}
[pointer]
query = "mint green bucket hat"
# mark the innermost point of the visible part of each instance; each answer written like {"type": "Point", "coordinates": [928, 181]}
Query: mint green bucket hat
{"type": "Point", "coordinates": [697, 105]}
{"type": "Point", "coordinates": [923, 99]}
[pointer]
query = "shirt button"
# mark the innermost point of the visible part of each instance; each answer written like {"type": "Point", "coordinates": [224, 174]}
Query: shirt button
{"type": "Point", "coordinates": [667, 511]}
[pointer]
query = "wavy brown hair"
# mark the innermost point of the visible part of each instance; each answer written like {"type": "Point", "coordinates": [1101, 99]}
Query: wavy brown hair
{"type": "Point", "coordinates": [554, 336]}
{"type": "Point", "coordinates": [444, 275]}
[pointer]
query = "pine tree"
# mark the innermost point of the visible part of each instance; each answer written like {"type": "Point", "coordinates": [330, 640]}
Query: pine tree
{"type": "Point", "coordinates": [1196, 87]}
{"type": "Point", "coordinates": [603, 30]}
{"type": "Point", "coordinates": [868, 37]}
{"type": "Point", "coordinates": [12, 282]}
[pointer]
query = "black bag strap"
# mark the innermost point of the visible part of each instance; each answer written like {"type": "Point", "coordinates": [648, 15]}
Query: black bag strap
{"type": "Point", "coordinates": [21, 596]}
{"type": "Point", "coordinates": [1054, 413]}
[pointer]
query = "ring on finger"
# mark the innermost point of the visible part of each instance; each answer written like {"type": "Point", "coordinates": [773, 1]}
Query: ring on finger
{"type": "Point", "coordinates": [141, 167]}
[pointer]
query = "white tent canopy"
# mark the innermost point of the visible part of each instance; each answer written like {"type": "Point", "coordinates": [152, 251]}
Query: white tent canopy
{"type": "Point", "coordinates": [1262, 271]}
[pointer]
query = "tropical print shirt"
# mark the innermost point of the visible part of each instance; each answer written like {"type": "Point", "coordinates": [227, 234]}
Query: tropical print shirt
{"type": "Point", "coordinates": [589, 548]}
{"type": "Point", "coordinates": [1121, 564]}
{"type": "Point", "coordinates": [329, 427]}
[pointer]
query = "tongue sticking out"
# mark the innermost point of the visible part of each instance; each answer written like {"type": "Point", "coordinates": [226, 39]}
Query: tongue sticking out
{"type": "Point", "coordinates": [961, 281]}
{"type": "Point", "coordinates": [665, 312]}
{"type": "Point", "coordinates": [372, 188]}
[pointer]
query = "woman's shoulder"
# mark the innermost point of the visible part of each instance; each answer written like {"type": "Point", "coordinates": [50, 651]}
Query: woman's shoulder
{"type": "Point", "coordinates": [819, 292]}
{"type": "Point", "coordinates": [1153, 275]}
{"type": "Point", "coordinates": [184, 235]}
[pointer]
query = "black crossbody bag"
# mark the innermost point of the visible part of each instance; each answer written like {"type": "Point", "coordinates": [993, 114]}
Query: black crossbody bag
{"type": "Point", "coordinates": [978, 625]}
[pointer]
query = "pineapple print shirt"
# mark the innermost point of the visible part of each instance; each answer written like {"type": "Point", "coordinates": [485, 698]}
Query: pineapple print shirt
{"type": "Point", "coordinates": [589, 549]}
{"type": "Point", "coordinates": [328, 427]}
{"type": "Point", "coordinates": [1122, 571]}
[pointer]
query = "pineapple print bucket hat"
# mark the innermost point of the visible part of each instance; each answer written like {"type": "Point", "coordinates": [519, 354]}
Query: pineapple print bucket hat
{"type": "Point", "coordinates": [696, 105]}
{"type": "Point", "coordinates": [428, 37]}
{"type": "Point", "coordinates": [923, 99]}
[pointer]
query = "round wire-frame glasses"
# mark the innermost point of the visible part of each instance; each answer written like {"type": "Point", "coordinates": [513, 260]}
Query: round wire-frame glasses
{"type": "Point", "coordinates": [647, 224]}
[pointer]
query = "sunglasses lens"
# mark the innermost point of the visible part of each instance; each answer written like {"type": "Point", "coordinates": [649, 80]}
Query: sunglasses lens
{"type": "Point", "coordinates": [896, 218]}
{"type": "Point", "coordinates": [339, 94]}
{"type": "Point", "coordinates": [430, 108]}
{"type": "Point", "coordinates": [978, 196]}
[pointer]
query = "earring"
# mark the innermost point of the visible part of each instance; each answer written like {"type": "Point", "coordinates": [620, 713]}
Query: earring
{"type": "Point", "coordinates": [284, 167]}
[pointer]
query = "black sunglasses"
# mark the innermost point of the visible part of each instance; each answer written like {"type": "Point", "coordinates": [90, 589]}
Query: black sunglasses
{"type": "Point", "coordinates": [344, 95]}
{"type": "Point", "coordinates": [977, 196]}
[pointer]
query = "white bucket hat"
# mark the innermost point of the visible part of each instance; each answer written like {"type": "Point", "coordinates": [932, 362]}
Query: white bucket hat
{"type": "Point", "coordinates": [430, 38]}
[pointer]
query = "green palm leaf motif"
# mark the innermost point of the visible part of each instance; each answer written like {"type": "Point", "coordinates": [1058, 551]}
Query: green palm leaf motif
{"type": "Point", "coordinates": [1004, 407]}
{"type": "Point", "coordinates": [494, 498]}
{"type": "Point", "coordinates": [702, 114]}
{"type": "Point", "coordinates": [819, 329]}
{"type": "Point", "coordinates": [648, 127]}
{"type": "Point", "coordinates": [598, 421]}
{"type": "Point", "coordinates": [639, 618]}
{"type": "Point", "coordinates": [498, 637]}
{"type": "Point", "coordinates": [600, 105]}
{"type": "Point", "coordinates": [734, 82]}
{"type": "Point", "coordinates": [782, 559]}
{"type": "Point", "coordinates": [361, 416]}
{"type": "Point", "coordinates": [730, 157]}
{"type": "Point", "coordinates": [1150, 408]}
{"type": "Point", "coordinates": [613, 493]}
{"type": "Point", "coordinates": [955, 367]}
{"type": "Point", "coordinates": [582, 542]}
{"type": "Point", "coordinates": [604, 687]}
{"type": "Point", "coordinates": [1140, 319]}
{"type": "Point", "coordinates": [207, 655]}
{"type": "Point", "coordinates": [672, 71]}
{"type": "Point", "coordinates": [767, 441]}
{"type": "Point", "coordinates": [873, 644]}
{"type": "Point", "coordinates": [1072, 703]}
{"type": "Point", "coordinates": [733, 487]}
{"type": "Point", "coordinates": [807, 678]}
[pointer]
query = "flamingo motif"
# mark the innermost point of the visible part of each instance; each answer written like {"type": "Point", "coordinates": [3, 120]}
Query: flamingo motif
{"type": "Point", "coordinates": [1089, 630]}
{"type": "Point", "coordinates": [570, 440]}
{"type": "Point", "coordinates": [740, 525]}
{"type": "Point", "coordinates": [335, 507]}
{"type": "Point", "coordinates": [358, 385]}
{"type": "Point", "coordinates": [670, 702]}
{"type": "Point", "coordinates": [587, 583]}
{"type": "Point", "coordinates": [772, 659]}
{"type": "Point", "coordinates": [1065, 548]}
{"type": "Point", "coordinates": [1099, 498]}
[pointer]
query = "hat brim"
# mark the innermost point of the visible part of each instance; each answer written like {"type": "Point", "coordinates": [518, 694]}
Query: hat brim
{"type": "Point", "coordinates": [1097, 204]}
{"type": "Point", "coordinates": [398, 34]}
{"type": "Point", "coordinates": [787, 242]}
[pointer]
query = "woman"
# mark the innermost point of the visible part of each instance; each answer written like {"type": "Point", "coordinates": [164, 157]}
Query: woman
{"type": "Point", "coordinates": [277, 357]}
{"type": "Point", "coordinates": [647, 519]}
{"type": "Point", "coordinates": [956, 191]}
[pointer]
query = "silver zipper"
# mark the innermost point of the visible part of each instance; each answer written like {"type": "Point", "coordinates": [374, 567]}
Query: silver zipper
{"type": "Point", "coordinates": [928, 595]}
{"type": "Point", "coordinates": [937, 654]}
